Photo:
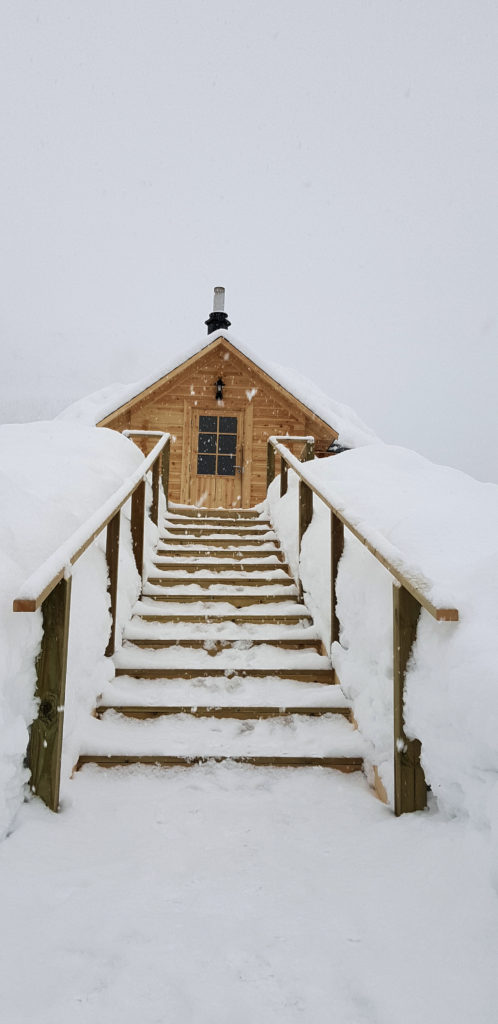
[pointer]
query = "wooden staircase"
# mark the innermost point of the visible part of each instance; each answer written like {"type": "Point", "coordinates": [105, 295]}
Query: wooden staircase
{"type": "Point", "coordinates": [221, 660]}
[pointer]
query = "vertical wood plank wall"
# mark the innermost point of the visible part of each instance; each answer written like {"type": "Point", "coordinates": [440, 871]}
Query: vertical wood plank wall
{"type": "Point", "coordinates": [266, 411]}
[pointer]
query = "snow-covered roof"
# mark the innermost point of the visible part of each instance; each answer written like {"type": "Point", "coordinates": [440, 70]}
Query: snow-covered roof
{"type": "Point", "coordinates": [352, 431]}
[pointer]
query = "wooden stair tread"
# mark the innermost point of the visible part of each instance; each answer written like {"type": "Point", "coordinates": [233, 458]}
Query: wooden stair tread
{"type": "Point", "coordinates": [220, 711]}
{"type": "Point", "coordinates": [190, 512]}
{"type": "Point", "coordinates": [236, 554]}
{"type": "Point", "coordinates": [206, 531]}
{"type": "Point", "coordinates": [219, 644]}
{"type": "Point", "coordinates": [221, 542]}
{"type": "Point", "coordinates": [238, 600]}
{"type": "Point", "coordinates": [284, 618]}
{"type": "Point", "coordinates": [219, 567]}
{"type": "Point", "coordinates": [342, 764]}
{"type": "Point", "coordinates": [227, 581]}
{"type": "Point", "coordinates": [313, 675]}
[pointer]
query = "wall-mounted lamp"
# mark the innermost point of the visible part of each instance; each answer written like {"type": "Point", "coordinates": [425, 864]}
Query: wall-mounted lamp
{"type": "Point", "coordinates": [219, 389]}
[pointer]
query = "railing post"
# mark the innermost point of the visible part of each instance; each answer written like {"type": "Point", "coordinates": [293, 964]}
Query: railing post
{"type": "Point", "coordinates": [305, 509]}
{"type": "Point", "coordinates": [137, 525]}
{"type": "Point", "coordinates": [112, 556]}
{"type": "Point", "coordinates": [336, 549]}
{"type": "Point", "coordinates": [305, 494]}
{"type": "Point", "coordinates": [45, 742]}
{"type": "Point", "coordinates": [410, 790]}
{"type": "Point", "coordinates": [154, 512]}
{"type": "Point", "coordinates": [284, 473]}
{"type": "Point", "coordinates": [165, 470]}
{"type": "Point", "coordinates": [308, 452]}
{"type": "Point", "coordinates": [270, 464]}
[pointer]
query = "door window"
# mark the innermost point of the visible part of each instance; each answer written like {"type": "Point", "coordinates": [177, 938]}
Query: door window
{"type": "Point", "coordinates": [217, 446]}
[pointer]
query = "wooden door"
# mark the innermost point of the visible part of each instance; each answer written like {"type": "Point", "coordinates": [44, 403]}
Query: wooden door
{"type": "Point", "coordinates": [216, 464]}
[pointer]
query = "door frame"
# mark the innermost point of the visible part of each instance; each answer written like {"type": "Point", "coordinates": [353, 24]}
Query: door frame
{"type": "Point", "coordinates": [245, 420]}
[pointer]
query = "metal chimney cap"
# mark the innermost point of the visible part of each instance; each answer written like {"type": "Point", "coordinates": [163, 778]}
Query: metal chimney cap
{"type": "Point", "coordinates": [218, 319]}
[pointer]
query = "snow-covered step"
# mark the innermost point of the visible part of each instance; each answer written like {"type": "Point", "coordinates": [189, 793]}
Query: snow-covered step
{"type": "Point", "coordinates": [191, 512]}
{"type": "Point", "coordinates": [224, 571]}
{"type": "Point", "coordinates": [294, 736]}
{"type": "Point", "coordinates": [234, 630]}
{"type": "Point", "coordinates": [267, 542]}
{"type": "Point", "coordinates": [233, 691]}
{"type": "Point", "coordinates": [201, 565]}
{"type": "Point", "coordinates": [236, 598]}
{"type": "Point", "coordinates": [213, 646]}
{"type": "Point", "coordinates": [213, 614]}
{"type": "Point", "coordinates": [219, 586]}
{"type": "Point", "coordinates": [218, 581]}
{"type": "Point", "coordinates": [212, 522]}
{"type": "Point", "coordinates": [236, 658]}
{"type": "Point", "coordinates": [201, 553]}
{"type": "Point", "coordinates": [204, 530]}
{"type": "Point", "coordinates": [304, 675]}
{"type": "Point", "coordinates": [248, 713]}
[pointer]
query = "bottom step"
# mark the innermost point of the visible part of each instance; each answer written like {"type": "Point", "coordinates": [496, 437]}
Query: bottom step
{"type": "Point", "coordinates": [342, 764]}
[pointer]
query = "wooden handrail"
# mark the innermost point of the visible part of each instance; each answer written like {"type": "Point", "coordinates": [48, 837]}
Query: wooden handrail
{"type": "Point", "coordinates": [413, 588]}
{"type": "Point", "coordinates": [41, 583]}
{"type": "Point", "coordinates": [409, 597]}
{"type": "Point", "coordinates": [50, 588]}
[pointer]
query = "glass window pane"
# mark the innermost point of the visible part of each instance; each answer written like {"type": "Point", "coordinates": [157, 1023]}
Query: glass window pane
{"type": "Point", "coordinates": [206, 465]}
{"type": "Point", "coordinates": [207, 423]}
{"type": "Point", "coordinates": [207, 442]}
{"type": "Point", "coordinates": [228, 424]}
{"type": "Point", "coordinates": [226, 465]}
{"type": "Point", "coordinates": [227, 443]}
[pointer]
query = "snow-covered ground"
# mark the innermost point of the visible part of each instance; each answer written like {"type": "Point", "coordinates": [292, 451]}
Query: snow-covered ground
{"type": "Point", "coordinates": [231, 894]}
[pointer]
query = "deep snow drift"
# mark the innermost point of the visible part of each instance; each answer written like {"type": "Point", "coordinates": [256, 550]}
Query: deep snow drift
{"type": "Point", "coordinates": [440, 526]}
{"type": "Point", "coordinates": [52, 477]}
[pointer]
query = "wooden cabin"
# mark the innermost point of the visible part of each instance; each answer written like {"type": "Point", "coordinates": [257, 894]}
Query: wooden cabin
{"type": "Point", "coordinates": [220, 408]}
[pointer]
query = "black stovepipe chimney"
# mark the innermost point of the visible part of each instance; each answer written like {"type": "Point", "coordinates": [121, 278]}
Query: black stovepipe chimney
{"type": "Point", "coordinates": [218, 318]}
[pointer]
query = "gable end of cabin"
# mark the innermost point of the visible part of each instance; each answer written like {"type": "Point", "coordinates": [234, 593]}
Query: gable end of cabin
{"type": "Point", "coordinates": [218, 451]}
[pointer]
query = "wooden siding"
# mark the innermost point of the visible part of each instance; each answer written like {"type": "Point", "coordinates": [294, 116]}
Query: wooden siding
{"type": "Point", "coordinates": [265, 406]}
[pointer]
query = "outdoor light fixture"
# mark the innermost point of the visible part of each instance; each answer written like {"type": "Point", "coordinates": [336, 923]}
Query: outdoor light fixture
{"type": "Point", "coordinates": [219, 389]}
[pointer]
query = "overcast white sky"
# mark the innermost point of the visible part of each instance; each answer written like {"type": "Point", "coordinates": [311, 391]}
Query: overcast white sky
{"type": "Point", "coordinates": [333, 163]}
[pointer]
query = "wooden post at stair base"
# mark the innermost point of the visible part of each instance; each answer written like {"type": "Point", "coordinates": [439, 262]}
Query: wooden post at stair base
{"type": "Point", "coordinates": [112, 556]}
{"type": "Point", "coordinates": [410, 790]}
{"type": "Point", "coordinates": [45, 742]}
{"type": "Point", "coordinates": [270, 464]}
{"type": "Point", "coordinates": [154, 512]}
{"type": "Point", "coordinates": [336, 549]}
{"type": "Point", "coordinates": [165, 470]}
{"type": "Point", "coordinates": [284, 474]}
{"type": "Point", "coordinates": [137, 525]}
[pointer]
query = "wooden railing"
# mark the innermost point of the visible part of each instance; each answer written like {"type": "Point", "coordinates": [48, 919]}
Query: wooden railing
{"type": "Point", "coordinates": [49, 588]}
{"type": "Point", "coordinates": [409, 597]}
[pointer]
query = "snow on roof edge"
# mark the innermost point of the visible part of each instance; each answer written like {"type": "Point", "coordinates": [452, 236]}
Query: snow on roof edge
{"type": "Point", "coordinates": [341, 418]}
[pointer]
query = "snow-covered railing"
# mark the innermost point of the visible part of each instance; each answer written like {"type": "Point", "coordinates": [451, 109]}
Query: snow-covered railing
{"type": "Point", "coordinates": [49, 588]}
{"type": "Point", "coordinates": [410, 595]}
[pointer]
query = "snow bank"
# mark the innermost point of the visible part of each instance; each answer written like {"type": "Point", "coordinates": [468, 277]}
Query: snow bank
{"type": "Point", "coordinates": [352, 431]}
{"type": "Point", "coordinates": [440, 526]}
{"type": "Point", "coordinates": [52, 477]}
